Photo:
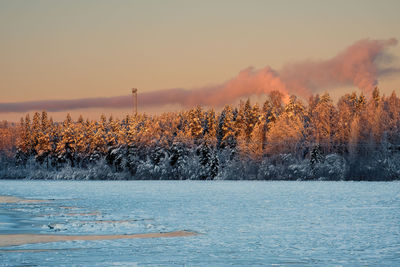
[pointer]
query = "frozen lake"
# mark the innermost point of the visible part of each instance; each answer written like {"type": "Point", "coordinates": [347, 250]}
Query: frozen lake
{"type": "Point", "coordinates": [241, 223]}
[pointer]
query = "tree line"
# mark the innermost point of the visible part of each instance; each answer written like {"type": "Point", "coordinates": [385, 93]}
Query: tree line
{"type": "Point", "coordinates": [356, 139]}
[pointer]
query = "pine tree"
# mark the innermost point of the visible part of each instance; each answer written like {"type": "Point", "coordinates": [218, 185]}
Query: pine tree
{"type": "Point", "coordinates": [210, 126]}
{"type": "Point", "coordinates": [99, 140]}
{"type": "Point", "coordinates": [316, 156]}
{"type": "Point", "coordinates": [287, 134]}
{"type": "Point", "coordinates": [114, 133]}
{"type": "Point", "coordinates": [81, 140]}
{"type": "Point", "coordinates": [35, 133]}
{"type": "Point", "coordinates": [257, 141]}
{"type": "Point", "coordinates": [251, 115]}
{"type": "Point", "coordinates": [276, 101]}
{"type": "Point", "coordinates": [8, 135]}
{"type": "Point", "coordinates": [227, 128]}
{"type": "Point", "coordinates": [43, 148]}
{"type": "Point", "coordinates": [376, 119]}
{"type": "Point", "coordinates": [24, 141]}
{"type": "Point", "coordinates": [66, 147]}
{"type": "Point", "coordinates": [195, 123]}
{"type": "Point", "coordinates": [393, 110]}
{"type": "Point", "coordinates": [54, 138]}
{"type": "Point", "coordinates": [323, 123]}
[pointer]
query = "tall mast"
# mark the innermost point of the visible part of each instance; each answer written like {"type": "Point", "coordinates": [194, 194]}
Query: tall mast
{"type": "Point", "coordinates": [134, 99]}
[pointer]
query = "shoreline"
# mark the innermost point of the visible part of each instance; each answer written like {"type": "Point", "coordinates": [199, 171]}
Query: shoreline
{"type": "Point", "coordinates": [199, 180]}
{"type": "Point", "coordinates": [22, 239]}
{"type": "Point", "coordinates": [12, 199]}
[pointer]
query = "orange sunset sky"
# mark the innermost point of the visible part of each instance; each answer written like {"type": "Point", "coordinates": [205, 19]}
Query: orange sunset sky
{"type": "Point", "coordinates": [61, 50]}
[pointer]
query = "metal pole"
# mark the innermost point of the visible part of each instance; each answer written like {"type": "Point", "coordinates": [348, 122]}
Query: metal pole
{"type": "Point", "coordinates": [134, 99]}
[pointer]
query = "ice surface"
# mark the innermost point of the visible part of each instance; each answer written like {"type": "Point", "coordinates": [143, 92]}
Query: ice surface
{"type": "Point", "coordinates": [241, 223]}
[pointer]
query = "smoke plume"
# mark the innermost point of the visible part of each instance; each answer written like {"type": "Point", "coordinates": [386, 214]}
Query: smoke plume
{"type": "Point", "coordinates": [359, 65]}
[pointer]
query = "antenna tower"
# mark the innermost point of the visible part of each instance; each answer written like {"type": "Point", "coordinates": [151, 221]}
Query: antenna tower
{"type": "Point", "coordinates": [134, 99]}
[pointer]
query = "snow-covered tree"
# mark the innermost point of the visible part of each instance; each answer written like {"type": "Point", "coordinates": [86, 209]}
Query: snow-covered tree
{"type": "Point", "coordinates": [66, 146]}
{"type": "Point", "coordinates": [287, 133]}
{"type": "Point", "coordinates": [195, 123]}
{"type": "Point", "coordinates": [358, 138]}
{"type": "Point", "coordinates": [323, 121]}
{"type": "Point", "coordinates": [226, 129]}
{"type": "Point", "coordinates": [42, 147]}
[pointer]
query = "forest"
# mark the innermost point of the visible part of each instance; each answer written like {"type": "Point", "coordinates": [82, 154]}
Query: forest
{"type": "Point", "coordinates": [358, 138]}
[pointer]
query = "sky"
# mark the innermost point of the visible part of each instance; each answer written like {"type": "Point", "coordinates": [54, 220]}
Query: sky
{"type": "Point", "coordinates": [72, 50]}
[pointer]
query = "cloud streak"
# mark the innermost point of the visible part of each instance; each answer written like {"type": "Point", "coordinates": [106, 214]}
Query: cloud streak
{"type": "Point", "coordinates": [360, 65]}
